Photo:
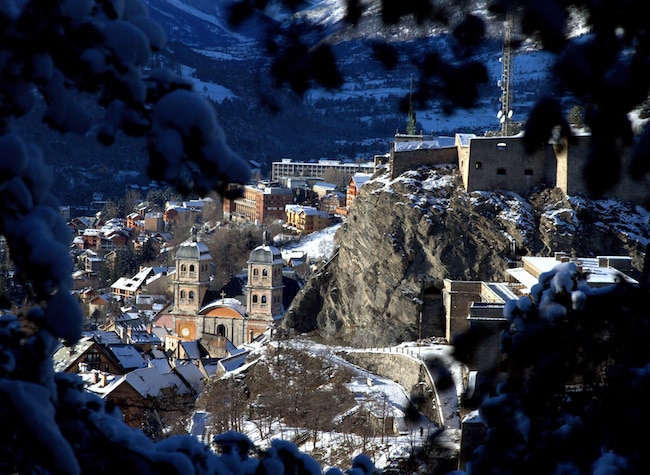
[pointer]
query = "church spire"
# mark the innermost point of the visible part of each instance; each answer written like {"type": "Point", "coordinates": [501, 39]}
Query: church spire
{"type": "Point", "coordinates": [410, 123]}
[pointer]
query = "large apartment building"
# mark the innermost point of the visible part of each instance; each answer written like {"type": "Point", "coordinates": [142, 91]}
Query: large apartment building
{"type": "Point", "coordinates": [288, 168]}
{"type": "Point", "coordinates": [258, 204]}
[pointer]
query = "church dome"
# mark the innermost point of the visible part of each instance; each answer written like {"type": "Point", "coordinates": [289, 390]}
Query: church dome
{"type": "Point", "coordinates": [193, 250]}
{"type": "Point", "coordinates": [265, 255]}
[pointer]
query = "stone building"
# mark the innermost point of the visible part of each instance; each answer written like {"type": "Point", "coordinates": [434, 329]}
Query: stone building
{"type": "Point", "coordinates": [411, 151]}
{"type": "Point", "coordinates": [225, 323]}
{"type": "Point", "coordinates": [502, 163]}
{"type": "Point", "coordinates": [191, 283]}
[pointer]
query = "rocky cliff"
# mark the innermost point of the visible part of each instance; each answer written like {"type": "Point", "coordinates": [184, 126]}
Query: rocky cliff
{"type": "Point", "coordinates": [403, 237]}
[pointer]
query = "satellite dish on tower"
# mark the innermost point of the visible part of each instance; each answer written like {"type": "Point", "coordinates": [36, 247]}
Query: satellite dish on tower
{"type": "Point", "coordinates": [499, 114]}
{"type": "Point", "coordinates": [510, 114]}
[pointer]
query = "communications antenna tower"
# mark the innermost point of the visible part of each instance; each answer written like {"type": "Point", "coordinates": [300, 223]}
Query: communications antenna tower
{"type": "Point", "coordinates": [505, 114]}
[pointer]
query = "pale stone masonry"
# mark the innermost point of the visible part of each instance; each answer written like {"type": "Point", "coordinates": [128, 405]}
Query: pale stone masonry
{"type": "Point", "coordinates": [501, 163]}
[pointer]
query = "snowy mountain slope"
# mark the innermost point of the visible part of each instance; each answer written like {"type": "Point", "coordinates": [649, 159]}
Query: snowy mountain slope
{"type": "Point", "coordinates": [203, 26]}
{"type": "Point", "coordinates": [197, 23]}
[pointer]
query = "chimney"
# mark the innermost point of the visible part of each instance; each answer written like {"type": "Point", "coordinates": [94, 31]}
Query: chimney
{"type": "Point", "coordinates": [102, 378]}
{"type": "Point", "coordinates": [561, 256]}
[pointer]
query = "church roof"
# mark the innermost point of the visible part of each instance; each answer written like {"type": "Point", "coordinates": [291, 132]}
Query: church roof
{"type": "Point", "coordinates": [193, 250]}
{"type": "Point", "coordinates": [265, 255]}
{"type": "Point", "coordinates": [225, 302]}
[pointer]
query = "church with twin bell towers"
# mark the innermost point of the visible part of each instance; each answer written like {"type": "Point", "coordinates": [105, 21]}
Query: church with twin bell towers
{"type": "Point", "coordinates": [199, 314]}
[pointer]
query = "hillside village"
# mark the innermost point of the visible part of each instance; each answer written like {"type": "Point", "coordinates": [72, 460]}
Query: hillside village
{"type": "Point", "coordinates": [154, 338]}
{"type": "Point", "coordinates": [456, 280]}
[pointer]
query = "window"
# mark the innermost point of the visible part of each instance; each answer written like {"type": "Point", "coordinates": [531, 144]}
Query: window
{"type": "Point", "coordinates": [182, 295]}
{"type": "Point", "coordinates": [528, 172]}
{"type": "Point", "coordinates": [263, 299]}
{"type": "Point", "coordinates": [265, 273]}
{"type": "Point", "coordinates": [191, 267]}
{"type": "Point", "coordinates": [183, 268]}
{"type": "Point", "coordinates": [221, 330]}
{"type": "Point", "coordinates": [254, 298]}
{"type": "Point", "coordinates": [92, 356]}
{"type": "Point", "coordinates": [478, 165]}
{"type": "Point", "coordinates": [501, 171]}
{"type": "Point", "coordinates": [256, 272]}
{"type": "Point", "coordinates": [191, 296]}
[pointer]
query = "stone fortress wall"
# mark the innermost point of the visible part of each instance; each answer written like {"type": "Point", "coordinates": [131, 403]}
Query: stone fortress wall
{"type": "Point", "coordinates": [501, 163]}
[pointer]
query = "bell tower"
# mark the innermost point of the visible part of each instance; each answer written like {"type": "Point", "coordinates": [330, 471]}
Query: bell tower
{"type": "Point", "coordinates": [191, 282]}
{"type": "Point", "coordinates": [265, 287]}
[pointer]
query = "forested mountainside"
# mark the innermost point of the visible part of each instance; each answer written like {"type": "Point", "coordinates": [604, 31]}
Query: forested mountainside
{"type": "Point", "coordinates": [407, 235]}
{"type": "Point", "coordinates": [265, 123]}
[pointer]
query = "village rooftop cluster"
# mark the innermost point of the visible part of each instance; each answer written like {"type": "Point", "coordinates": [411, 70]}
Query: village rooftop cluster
{"type": "Point", "coordinates": [168, 331]}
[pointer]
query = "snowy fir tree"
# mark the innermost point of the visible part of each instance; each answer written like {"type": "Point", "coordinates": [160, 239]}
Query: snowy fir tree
{"type": "Point", "coordinates": [578, 373]}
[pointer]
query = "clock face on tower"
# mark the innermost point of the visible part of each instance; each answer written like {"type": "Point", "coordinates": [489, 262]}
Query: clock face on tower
{"type": "Point", "coordinates": [185, 332]}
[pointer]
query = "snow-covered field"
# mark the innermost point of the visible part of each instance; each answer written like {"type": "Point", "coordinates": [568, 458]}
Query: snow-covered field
{"type": "Point", "coordinates": [318, 245]}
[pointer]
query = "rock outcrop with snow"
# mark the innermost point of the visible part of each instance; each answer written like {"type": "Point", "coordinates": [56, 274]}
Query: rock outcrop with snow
{"type": "Point", "coordinates": [407, 235]}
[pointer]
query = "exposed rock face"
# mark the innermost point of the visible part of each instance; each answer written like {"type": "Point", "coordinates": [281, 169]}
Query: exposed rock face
{"type": "Point", "coordinates": [404, 237]}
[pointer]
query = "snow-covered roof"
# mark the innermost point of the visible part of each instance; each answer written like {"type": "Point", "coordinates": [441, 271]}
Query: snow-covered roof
{"type": "Point", "coordinates": [104, 337]}
{"type": "Point", "coordinates": [265, 255]}
{"type": "Point", "coordinates": [231, 363]}
{"type": "Point", "coordinates": [191, 374]}
{"type": "Point", "coordinates": [465, 138]}
{"type": "Point", "coordinates": [325, 185]}
{"type": "Point", "coordinates": [191, 349]}
{"type": "Point", "coordinates": [225, 302]}
{"type": "Point", "coordinates": [128, 356]}
{"type": "Point", "coordinates": [597, 270]}
{"type": "Point", "coordinates": [524, 277]}
{"type": "Point", "coordinates": [150, 381]}
{"type": "Point", "coordinates": [161, 363]}
{"type": "Point", "coordinates": [143, 336]}
{"type": "Point", "coordinates": [124, 283]}
{"type": "Point", "coordinates": [193, 250]}
{"type": "Point", "coordinates": [441, 142]}
{"type": "Point", "coordinates": [360, 179]}
{"type": "Point", "coordinates": [502, 290]}
{"type": "Point", "coordinates": [210, 365]}
{"type": "Point", "coordinates": [66, 355]}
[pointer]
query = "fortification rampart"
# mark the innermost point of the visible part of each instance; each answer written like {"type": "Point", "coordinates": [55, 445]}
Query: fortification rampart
{"type": "Point", "coordinates": [406, 371]}
{"type": "Point", "coordinates": [502, 163]}
{"type": "Point", "coordinates": [411, 159]}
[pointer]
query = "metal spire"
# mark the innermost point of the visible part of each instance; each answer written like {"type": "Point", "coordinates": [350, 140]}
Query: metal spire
{"type": "Point", "coordinates": [410, 123]}
{"type": "Point", "coordinates": [505, 114]}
